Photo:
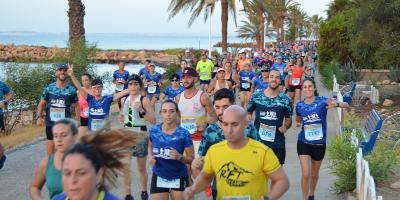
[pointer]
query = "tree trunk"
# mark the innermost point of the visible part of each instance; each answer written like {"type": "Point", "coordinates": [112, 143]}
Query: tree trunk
{"type": "Point", "coordinates": [224, 23]}
{"type": "Point", "coordinates": [262, 32]}
{"type": "Point", "coordinates": [76, 15]}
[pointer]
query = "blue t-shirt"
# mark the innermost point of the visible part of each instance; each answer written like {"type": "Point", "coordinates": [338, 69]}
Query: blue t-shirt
{"type": "Point", "coordinates": [119, 78]}
{"type": "Point", "coordinates": [269, 116]}
{"type": "Point", "coordinates": [171, 93]}
{"type": "Point", "coordinates": [4, 89]}
{"type": "Point", "coordinates": [143, 71]}
{"type": "Point", "coordinates": [260, 85]}
{"type": "Point", "coordinates": [59, 101]}
{"type": "Point", "coordinates": [156, 79]}
{"type": "Point", "coordinates": [313, 117]}
{"type": "Point", "coordinates": [98, 111]}
{"type": "Point", "coordinates": [162, 144]}
{"type": "Point", "coordinates": [246, 78]}
{"type": "Point", "coordinates": [280, 68]}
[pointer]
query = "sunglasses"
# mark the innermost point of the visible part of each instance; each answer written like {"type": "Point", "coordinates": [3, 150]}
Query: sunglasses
{"type": "Point", "coordinates": [174, 80]}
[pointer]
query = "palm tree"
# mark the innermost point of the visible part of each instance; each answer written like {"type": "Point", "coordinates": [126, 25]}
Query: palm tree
{"type": "Point", "coordinates": [278, 12]}
{"type": "Point", "coordinates": [299, 21]}
{"type": "Point", "coordinates": [197, 7]}
{"type": "Point", "coordinates": [76, 15]}
{"type": "Point", "coordinates": [315, 21]}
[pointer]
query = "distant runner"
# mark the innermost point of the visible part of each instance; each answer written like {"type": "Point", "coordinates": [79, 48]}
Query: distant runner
{"type": "Point", "coordinates": [120, 77]}
{"type": "Point", "coordinates": [173, 90]}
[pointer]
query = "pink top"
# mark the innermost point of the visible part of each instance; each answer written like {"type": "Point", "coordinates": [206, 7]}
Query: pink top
{"type": "Point", "coordinates": [84, 107]}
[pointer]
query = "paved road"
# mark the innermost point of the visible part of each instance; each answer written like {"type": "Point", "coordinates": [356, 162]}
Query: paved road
{"type": "Point", "coordinates": [17, 173]}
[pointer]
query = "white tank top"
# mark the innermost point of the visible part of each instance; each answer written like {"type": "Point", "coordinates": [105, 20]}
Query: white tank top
{"type": "Point", "coordinates": [217, 87]}
{"type": "Point", "coordinates": [192, 112]}
{"type": "Point", "coordinates": [131, 115]}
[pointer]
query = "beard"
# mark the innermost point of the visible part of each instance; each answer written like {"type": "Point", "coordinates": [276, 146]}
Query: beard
{"type": "Point", "coordinates": [189, 86]}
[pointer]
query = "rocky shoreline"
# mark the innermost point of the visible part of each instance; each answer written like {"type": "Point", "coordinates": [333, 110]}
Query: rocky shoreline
{"type": "Point", "coordinates": [27, 53]}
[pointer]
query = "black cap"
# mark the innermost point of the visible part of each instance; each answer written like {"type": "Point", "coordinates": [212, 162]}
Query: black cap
{"type": "Point", "coordinates": [97, 82]}
{"type": "Point", "coordinates": [188, 71]}
{"type": "Point", "coordinates": [62, 66]}
{"type": "Point", "coordinates": [135, 77]}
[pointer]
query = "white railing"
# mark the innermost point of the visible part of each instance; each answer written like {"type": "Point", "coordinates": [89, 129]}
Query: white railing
{"type": "Point", "coordinates": [336, 90]}
{"type": "Point", "coordinates": [365, 182]}
{"type": "Point", "coordinates": [374, 96]}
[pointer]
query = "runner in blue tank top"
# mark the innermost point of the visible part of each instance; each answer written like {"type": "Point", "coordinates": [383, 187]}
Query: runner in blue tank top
{"type": "Point", "coordinates": [120, 78]}
{"type": "Point", "coordinates": [171, 150]}
{"type": "Point", "coordinates": [99, 105]}
{"type": "Point", "coordinates": [153, 82]}
{"type": "Point", "coordinates": [311, 116]}
{"type": "Point", "coordinates": [174, 89]}
{"type": "Point", "coordinates": [246, 81]}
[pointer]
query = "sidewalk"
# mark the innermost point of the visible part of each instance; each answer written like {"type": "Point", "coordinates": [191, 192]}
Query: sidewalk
{"type": "Point", "coordinates": [292, 166]}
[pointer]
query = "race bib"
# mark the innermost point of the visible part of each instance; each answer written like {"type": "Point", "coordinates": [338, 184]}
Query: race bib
{"type": "Point", "coordinates": [97, 124]}
{"type": "Point", "coordinates": [151, 89]}
{"type": "Point", "coordinates": [203, 73]}
{"type": "Point", "coordinates": [190, 124]}
{"type": "Point", "coordinates": [245, 85]}
{"type": "Point", "coordinates": [168, 183]}
{"type": "Point", "coordinates": [57, 114]}
{"type": "Point", "coordinates": [119, 87]}
{"type": "Point", "coordinates": [313, 132]}
{"type": "Point", "coordinates": [245, 197]}
{"type": "Point", "coordinates": [295, 81]}
{"type": "Point", "coordinates": [267, 133]}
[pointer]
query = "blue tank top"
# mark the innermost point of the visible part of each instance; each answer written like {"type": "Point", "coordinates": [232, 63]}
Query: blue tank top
{"type": "Point", "coordinates": [118, 77]}
{"type": "Point", "coordinates": [260, 85]}
{"type": "Point", "coordinates": [172, 93]}
{"type": "Point", "coordinates": [313, 116]}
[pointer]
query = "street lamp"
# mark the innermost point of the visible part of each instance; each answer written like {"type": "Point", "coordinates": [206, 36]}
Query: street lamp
{"type": "Point", "coordinates": [209, 4]}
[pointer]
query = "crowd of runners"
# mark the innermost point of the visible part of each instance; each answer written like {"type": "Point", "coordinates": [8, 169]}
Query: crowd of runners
{"type": "Point", "coordinates": [205, 141]}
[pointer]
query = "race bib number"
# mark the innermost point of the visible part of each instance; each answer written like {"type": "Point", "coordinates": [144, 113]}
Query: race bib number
{"type": "Point", "coordinates": [151, 89]}
{"type": "Point", "coordinates": [267, 133]}
{"type": "Point", "coordinates": [168, 183]}
{"type": "Point", "coordinates": [245, 197]}
{"type": "Point", "coordinates": [97, 124]}
{"type": "Point", "coordinates": [190, 124]}
{"type": "Point", "coordinates": [203, 73]}
{"type": "Point", "coordinates": [295, 81]}
{"type": "Point", "coordinates": [119, 87]}
{"type": "Point", "coordinates": [57, 114]}
{"type": "Point", "coordinates": [313, 132]}
{"type": "Point", "coordinates": [245, 85]}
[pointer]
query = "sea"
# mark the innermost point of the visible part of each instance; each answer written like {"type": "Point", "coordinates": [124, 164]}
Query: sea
{"type": "Point", "coordinates": [116, 40]}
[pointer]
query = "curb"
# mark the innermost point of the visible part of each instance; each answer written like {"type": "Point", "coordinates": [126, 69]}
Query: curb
{"type": "Point", "coordinates": [20, 146]}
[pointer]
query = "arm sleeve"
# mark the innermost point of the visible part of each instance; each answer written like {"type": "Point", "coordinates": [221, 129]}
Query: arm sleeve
{"type": "Point", "coordinates": [271, 162]}
{"type": "Point", "coordinates": [251, 105]}
{"type": "Point", "coordinates": [288, 109]}
{"type": "Point", "coordinates": [45, 94]}
{"type": "Point", "coordinates": [204, 144]}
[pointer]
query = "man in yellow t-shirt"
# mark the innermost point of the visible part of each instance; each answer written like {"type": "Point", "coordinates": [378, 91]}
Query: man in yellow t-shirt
{"type": "Point", "coordinates": [241, 166]}
{"type": "Point", "coordinates": [204, 67]}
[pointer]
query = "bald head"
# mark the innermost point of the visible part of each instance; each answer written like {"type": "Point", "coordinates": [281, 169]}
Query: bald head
{"type": "Point", "coordinates": [234, 122]}
{"type": "Point", "coordinates": [235, 110]}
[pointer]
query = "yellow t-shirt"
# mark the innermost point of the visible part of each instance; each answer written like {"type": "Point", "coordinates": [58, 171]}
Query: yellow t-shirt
{"type": "Point", "coordinates": [243, 172]}
{"type": "Point", "coordinates": [205, 69]}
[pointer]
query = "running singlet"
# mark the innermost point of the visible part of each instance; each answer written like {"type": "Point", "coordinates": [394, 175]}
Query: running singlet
{"type": "Point", "coordinates": [260, 85]}
{"type": "Point", "coordinates": [193, 114]}
{"type": "Point", "coordinates": [295, 78]}
{"type": "Point", "coordinates": [132, 117]}
{"type": "Point", "coordinates": [214, 134]}
{"type": "Point", "coordinates": [119, 78]}
{"type": "Point", "coordinates": [162, 144]}
{"type": "Point", "coordinates": [171, 93]}
{"type": "Point", "coordinates": [280, 68]}
{"type": "Point", "coordinates": [313, 116]}
{"type": "Point", "coordinates": [53, 178]}
{"type": "Point", "coordinates": [98, 111]}
{"type": "Point", "coordinates": [204, 69]}
{"type": "Point", "coordinates": [102, 196]}
{"type": "Point", "coordinates": [59, 101]}
{"type": "Point", "coordinates": [155, 78]}
{"type": "Point", "coordinates": [143, 71]}
{"type": "Point", "coordinates": [83, 106]}
{"type": "Point", "coordinates": [241, 174]}
{"type": "Point", "coordinates": [269, 115]}
{"type": "Point", "coordinates": [245, 79]}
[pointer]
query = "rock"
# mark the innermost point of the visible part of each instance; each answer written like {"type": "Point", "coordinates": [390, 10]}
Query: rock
{"type": "Point", "coordinates": [383, 111]}
{"type": "Point", "coordinates": [387, 103]}
{"type": "Point", "coordinates": [394, 83]}
{"type": "Point", "coordinates": [395, 185]}
{"type": "Point", "coordinates": [386, 82]}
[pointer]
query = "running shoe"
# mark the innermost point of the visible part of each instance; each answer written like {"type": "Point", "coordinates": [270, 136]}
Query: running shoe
{"type": "Point", "coordinates": [144, 195]}
{"type": "Point", "coordinates": [2, 161]}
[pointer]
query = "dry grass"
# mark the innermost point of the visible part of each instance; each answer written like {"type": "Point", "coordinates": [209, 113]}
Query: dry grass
{"type": "Point", "coordinates": [22, 135]}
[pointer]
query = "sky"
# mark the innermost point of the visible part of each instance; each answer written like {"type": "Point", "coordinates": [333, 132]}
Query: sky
{"type": "Point", "coordinates": [119, 16]}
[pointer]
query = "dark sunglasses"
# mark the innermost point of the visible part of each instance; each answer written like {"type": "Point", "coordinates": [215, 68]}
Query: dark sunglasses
{"type": "Point", "coordinates": [174, 80]}
{"type": "Point", "coordinates": [264, 71]}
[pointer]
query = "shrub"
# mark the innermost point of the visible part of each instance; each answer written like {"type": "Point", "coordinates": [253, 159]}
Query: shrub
{"type": "Point", "coordinates": [327, 71]}
{"type": "Point", "coordinates": [177, 51]}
